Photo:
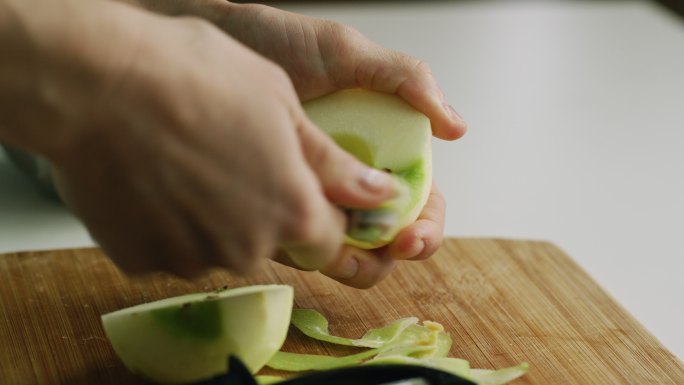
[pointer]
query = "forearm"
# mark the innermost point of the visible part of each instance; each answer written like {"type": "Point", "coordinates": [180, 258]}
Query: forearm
{"type": "Point", "coordinates": [54, 69]}
{"type": "Point", "coordinates": [213, 11]}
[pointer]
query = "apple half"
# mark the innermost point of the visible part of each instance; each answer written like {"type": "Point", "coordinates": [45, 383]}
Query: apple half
{"type": "Point", "coordinates": [386, 133]}
{"type": "Point", "coordinates": [189, 338]}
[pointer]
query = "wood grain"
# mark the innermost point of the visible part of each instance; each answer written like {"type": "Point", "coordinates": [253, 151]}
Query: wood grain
{"type": "Point", "coordinates": [503, 302]}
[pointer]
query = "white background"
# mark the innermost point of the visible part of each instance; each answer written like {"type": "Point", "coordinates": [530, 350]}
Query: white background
{"type": "Point", "coordinates": [576, 113]}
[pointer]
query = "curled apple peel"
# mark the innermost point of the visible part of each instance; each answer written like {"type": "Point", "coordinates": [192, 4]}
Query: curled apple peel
{"type": "Point", "coordinates": [403, 341]}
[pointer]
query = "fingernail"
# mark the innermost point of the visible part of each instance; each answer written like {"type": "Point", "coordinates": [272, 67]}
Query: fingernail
{"type": "Point", "coordinates": [375, 180]}
{"type": "Point", "coordinates": [348, 268]}
{"type": "Point", "coordinates": [451, 111]}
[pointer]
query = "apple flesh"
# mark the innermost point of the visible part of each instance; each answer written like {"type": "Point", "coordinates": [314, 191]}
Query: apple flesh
{"type": "Point", "coordinates": [386, 133]}
{"type": "Point", "coordinates": [189, 338]}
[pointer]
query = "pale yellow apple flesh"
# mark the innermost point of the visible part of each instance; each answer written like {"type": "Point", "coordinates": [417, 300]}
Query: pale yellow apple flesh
{"type": "Point", "coordinates": [189, 338]}
{"type": "Point", "coordinates": [384, 132]}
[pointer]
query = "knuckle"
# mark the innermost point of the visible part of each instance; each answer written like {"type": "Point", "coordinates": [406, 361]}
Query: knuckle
{"type": "Point", "coordinates": [307, 230]}
{"type": "Point", "coordinates": [347, 39]}
{"type": "Point", "coordinates": [320, 155]}
{"type": "Point", "coordinates": [224, 252]}
{"type": "Point", "coordinates": [368, 279]}
{"type": "Point", "coordinates": [276, 73]}
{"type": "Point", "coordinates": [345, 32]}
{"type": "Point", "coordinates": [373, 268]}
{"type": "Point", "coordinates": [240, 251]}
{"type": "Point", "coordinates": [362, 284]}
{"type": "Point", "coordinates": [278, 81]}
{"type": "Point", "coordinates": [435, 211]}
{"type": "Point", "coordinates": [189, 272]}
{"type": "Point", "coordinates": [421, 67]}
{"type": "Point", "coordinates": [435, 245]}
{"type": "Point", "coordinates": [439, 200]}
{"type": "Point", "coordinates": [303, 226]}
{"type": "Point", "coordinates": [198, 26]}
{"type": "Point", "coordinates": [431, 247]}
{"type": "Point", "coordinates": [414, 69]}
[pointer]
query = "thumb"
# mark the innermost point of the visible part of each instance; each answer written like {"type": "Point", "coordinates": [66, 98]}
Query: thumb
{"type": "Point", "coordinates": [345, 180]}
{"type": "Point", "coordinates": [384, 70]}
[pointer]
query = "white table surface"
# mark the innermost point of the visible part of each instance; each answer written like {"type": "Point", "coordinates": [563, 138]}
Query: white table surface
{"type": "Point", "coordinates": [576, 113]}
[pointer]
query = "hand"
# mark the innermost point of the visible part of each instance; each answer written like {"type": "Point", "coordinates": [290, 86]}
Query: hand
{"type": "Point", "coordinates": [419, 241]}
{"type": "Point", "coordinates": [323, 56]}
{"type": "Point", "coordinates": [192, 151]}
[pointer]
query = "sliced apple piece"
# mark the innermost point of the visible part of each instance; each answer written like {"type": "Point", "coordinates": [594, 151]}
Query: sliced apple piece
{"type": "Point", "coordinates": [384, 132]}
{"type": "Point", "coordinates": [189, 338]}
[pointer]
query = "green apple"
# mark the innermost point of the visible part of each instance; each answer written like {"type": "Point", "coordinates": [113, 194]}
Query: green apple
{"type": "Point", "coordinates": [384, 132]}
{"type": "Point", "coordinates": [189, 338]}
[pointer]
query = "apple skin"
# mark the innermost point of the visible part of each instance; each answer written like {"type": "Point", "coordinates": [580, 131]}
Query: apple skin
{"type": "Point", "coordinates": [189, 338]}
{"type": "Point", "coordinates": [384, 132]}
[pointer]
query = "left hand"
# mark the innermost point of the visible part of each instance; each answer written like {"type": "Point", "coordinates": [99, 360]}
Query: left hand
{"type": "Point", "coordinates": [323, 56]}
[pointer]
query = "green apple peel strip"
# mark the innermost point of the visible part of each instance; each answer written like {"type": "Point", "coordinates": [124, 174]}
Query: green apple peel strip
{"type": "Point", "coordinates": [295, 362]}
{"type": "Point", "coordinates": [313, 324]}
{"type": "Point", "coordinates": [403, 342]}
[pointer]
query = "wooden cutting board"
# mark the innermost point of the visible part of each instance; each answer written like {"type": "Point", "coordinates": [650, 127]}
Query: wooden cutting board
{"type": "Point", "coordinates": [503, 302]}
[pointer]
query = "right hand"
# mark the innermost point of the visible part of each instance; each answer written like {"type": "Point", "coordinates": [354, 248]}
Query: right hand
{"type": "Point", "coordinates": [198, 154]}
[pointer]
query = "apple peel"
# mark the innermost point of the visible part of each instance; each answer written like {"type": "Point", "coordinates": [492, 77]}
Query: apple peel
{"type": "Point", "coordinates": [315, 325]}
{"type": "Point", "coordinates": [400, 342]}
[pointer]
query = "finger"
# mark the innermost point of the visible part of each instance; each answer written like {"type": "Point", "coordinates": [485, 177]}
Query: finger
{"type": "Point", "coordinates": [420, 90]}
{"type": "Point", "coordinates": [284, 259]}
{"type": "Point", "coordinates": [422, 239]}
{"type": "Point", "coordinates": [345, 180]}
{"type": "Point", "coordinates": [353, 267]}
{"type": "Point", "coordinates": [358, 268]}
{"type": "Point", "coordinates": [317, 241]}
{"type": "Point", "coordinates": [393, 72]}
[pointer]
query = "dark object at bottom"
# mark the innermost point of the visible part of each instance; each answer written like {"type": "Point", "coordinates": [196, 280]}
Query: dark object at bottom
{"type": "Point", "coordinates": [358, 375]}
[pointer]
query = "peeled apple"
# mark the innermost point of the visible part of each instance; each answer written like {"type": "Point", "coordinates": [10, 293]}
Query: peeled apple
{"type": "Point", "coordinates": [386, 133]}
{"type": "Point", "coordinates": [189, 338]}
